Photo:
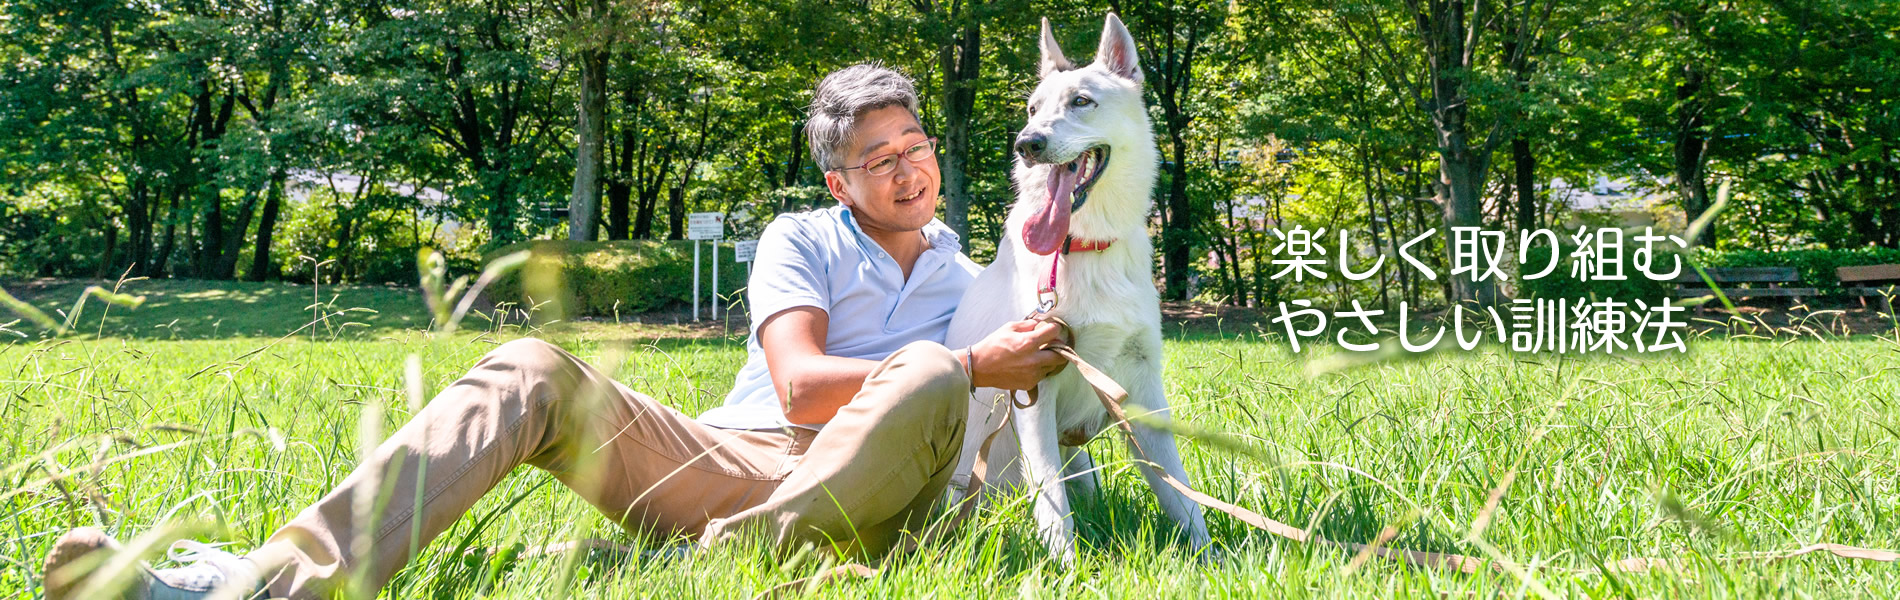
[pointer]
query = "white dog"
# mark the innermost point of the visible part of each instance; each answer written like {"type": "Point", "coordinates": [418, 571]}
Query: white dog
{"type": "Point", "coordinates": [1085, 164]}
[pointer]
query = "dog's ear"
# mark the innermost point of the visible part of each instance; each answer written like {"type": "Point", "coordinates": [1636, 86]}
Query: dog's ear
{"type": "Point", "coordinates": [1052, 58]}
{"type": "Point", "coordinates": [1117, 51]}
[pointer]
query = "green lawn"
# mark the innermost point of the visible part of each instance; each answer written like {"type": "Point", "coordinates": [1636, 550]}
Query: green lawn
{"type": "Point", "coordinates": [187, 309]}
{"type": "Point", "coordinates": [1743, 445]}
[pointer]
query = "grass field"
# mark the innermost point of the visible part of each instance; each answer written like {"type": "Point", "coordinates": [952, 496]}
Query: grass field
{"type": "Point", "coordinates": [1743, 445]}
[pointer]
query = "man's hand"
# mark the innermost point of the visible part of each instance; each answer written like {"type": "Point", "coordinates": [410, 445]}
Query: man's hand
{"type": "Point", "coordinates": [1014, 358]}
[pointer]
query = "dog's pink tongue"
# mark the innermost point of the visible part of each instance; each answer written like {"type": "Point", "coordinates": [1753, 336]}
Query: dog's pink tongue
{"type": "Point", "coordinates": [1050, 226]}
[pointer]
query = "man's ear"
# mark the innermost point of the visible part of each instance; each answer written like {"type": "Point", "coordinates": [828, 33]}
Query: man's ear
{"type": "Point", "coordinates": [1052, 58]}
{"type": "Point", "coordinates": [1118, 52]}
{"type": "Point", "coordinates": [835, 183]}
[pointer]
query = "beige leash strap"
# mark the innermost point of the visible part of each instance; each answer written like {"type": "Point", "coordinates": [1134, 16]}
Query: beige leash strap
{"type": "Point", "coordinates": [982, 463]}
{"type": "Point", "coordinates": [982, 466]}
{"type": "Point", "coordinates": [1112, 395]}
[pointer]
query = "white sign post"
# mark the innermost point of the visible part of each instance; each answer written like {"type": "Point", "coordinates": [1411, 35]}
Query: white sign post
{"type": "Point", "coordinates": [743, 252]}
{"type": "Point", "coordinates": [701, 227]}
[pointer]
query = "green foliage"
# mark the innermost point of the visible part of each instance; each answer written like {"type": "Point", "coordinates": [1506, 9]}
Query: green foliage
{"type": "Point", "coordinates": [1561, 283]}
{"type": "Point", "coordinates": [1816, 266]}
{"type": "Point", "coordinates": [620, 277]}
{"type": "Point", "coordinates": [28, 225]}
{"type": "Point", "coordinates": [157, 136]}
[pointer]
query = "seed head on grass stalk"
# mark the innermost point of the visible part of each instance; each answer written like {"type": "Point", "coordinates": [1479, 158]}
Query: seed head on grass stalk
{"type": "Point", "coordinates": [440, 295]}
{"type": "Point", "coordinates": [1695, 232]}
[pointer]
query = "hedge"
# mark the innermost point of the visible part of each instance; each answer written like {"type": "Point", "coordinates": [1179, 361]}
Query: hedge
{"type": "Point", "coordinates": [639, 275]}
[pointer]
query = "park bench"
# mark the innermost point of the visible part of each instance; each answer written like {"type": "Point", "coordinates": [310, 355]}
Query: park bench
{"type": "Point", "coordinates": [1860, 281]}
{"type": "Point", "coordinates": [1766, 281]}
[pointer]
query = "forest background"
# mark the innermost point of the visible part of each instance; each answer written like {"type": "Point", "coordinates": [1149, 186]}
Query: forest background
{"type": "Point", "coordinates": [318, 140]}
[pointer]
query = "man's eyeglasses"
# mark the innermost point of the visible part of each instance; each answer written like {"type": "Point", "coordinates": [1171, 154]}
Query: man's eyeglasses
{"type": "Point", "coordinates": [883, 165]}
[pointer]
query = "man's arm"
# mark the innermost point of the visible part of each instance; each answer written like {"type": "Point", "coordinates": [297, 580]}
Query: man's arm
{"type": "Point", "coordinates": [794, 345]}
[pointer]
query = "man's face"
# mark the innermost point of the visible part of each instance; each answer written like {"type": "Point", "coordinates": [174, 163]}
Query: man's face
{"type": "Point", "coordinates": [902, 200]}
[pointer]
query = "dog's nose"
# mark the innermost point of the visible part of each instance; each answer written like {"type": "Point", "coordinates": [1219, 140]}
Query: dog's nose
{"type": "Point", "coordinates": [1031, 145]}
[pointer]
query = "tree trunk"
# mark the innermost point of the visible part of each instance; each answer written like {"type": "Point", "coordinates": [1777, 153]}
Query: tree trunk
{"type": "Point", "coordinates": [620, 186]}
{"type": "Point", "coordinates": [798, 155]}
{"type": "Point", "coordinates": [344, 232]}
{"type": "Point", "coordinates": [619, 199]}
{"type": "Point", "coordinates": [643, 220]}
{"type": "Point", "coordinates": [261, 266]}
{"type": "Point", "coordinates": [676, 198]}
{"type": "Point", "coordinates": [105, 259]}
{"type": "Point", "coordinates": [1372, 216]}
{"type": "Point", "coordinates": [1462, 168]}
{"type": "Point", "coordinates": [1170, 65]}
{"type": "Point", "coordinates": [234, 239]}
{"type": "Point", "coordinates": [209, 259]}
{"type": "Point", "coordinates": [651, 184]}
{"type": "Point", "coordinates": [1526, 164]}
{"type": "Point", "coordinates": [583, 207]}
{"type": "Point", "coordinates": [1257, 241]}
{"type": "Point", "coordinates": [1692, 151]}
{"type": "Point", "coordinates": [161, 262]}
{"type": "Point", "coordinates": [960, 61]}
{"type": "Point", "coordinates": [1177, 253]}
{"type": "Point", "coordinates": [501, 214]}
{"type": "Point", "coordinates": [138, 224]}
{"type": "Point", "coordinates": [1392, 229]}
{"type": "Point", "coordinates": [676, 213]}
{"type": "Point", "coordinates": [1232, 241]}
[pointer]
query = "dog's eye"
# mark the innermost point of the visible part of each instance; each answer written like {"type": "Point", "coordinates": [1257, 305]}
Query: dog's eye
{"type": "Point", "coordinates": [1032, 110]}
{"type": "Point", "coordinates": [1081, 101]}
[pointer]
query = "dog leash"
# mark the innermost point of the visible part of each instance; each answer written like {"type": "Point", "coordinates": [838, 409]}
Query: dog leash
{"type": "Point", "coordinates": [1112, 396]}
{"type": "Point", "coordinates": [1046, 298]}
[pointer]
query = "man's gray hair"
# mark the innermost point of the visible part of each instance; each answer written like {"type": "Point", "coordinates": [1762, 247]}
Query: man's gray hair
{"type": "Point", "coordinates": [846, 94]}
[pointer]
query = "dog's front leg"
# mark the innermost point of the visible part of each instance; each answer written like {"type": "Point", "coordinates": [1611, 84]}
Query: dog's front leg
{"type": "Point", "coordinates": [1148, 405]}
{"type": "Point", "coordinates": [1042, 463]}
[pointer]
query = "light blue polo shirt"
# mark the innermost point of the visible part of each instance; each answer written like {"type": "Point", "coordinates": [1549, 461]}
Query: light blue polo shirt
{"type": "Point", "coordinates": [821, 259]}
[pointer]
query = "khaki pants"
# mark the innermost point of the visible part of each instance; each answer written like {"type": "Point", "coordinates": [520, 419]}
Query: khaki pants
{"type": "Point", "coordinates": [880, 464]}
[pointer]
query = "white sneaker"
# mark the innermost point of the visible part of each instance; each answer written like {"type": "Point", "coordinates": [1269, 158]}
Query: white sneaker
{"type": "Point", "coordinates": [209, 573]}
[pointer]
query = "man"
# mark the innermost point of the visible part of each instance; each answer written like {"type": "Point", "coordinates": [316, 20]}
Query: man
{"type": "Point", "coordinates": [841, 430]}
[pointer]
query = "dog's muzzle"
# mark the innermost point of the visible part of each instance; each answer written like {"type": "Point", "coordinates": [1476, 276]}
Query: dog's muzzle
{"type": "Point", "coordinates": [1032, 147]}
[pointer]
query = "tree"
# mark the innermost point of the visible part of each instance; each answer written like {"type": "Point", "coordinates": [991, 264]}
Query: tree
{"type": "Point", "coordinates": [1445, 65]}
{"type": "Point", "coordinates": [956, 29]}
{"type": "Point", "coordinates": [473, 80]}
{"type": "Point", "coordinates": [1174, 37]}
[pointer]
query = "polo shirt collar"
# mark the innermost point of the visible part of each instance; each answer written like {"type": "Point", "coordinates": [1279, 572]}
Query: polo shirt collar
{"type": "Point", "coordinates": [941, 238]}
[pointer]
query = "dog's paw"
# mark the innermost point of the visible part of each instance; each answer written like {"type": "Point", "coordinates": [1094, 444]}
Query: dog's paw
{"type": "Point", "coordinates": [1067, 559]}
{"type": "Point", "coordinates": [1061, 546]}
